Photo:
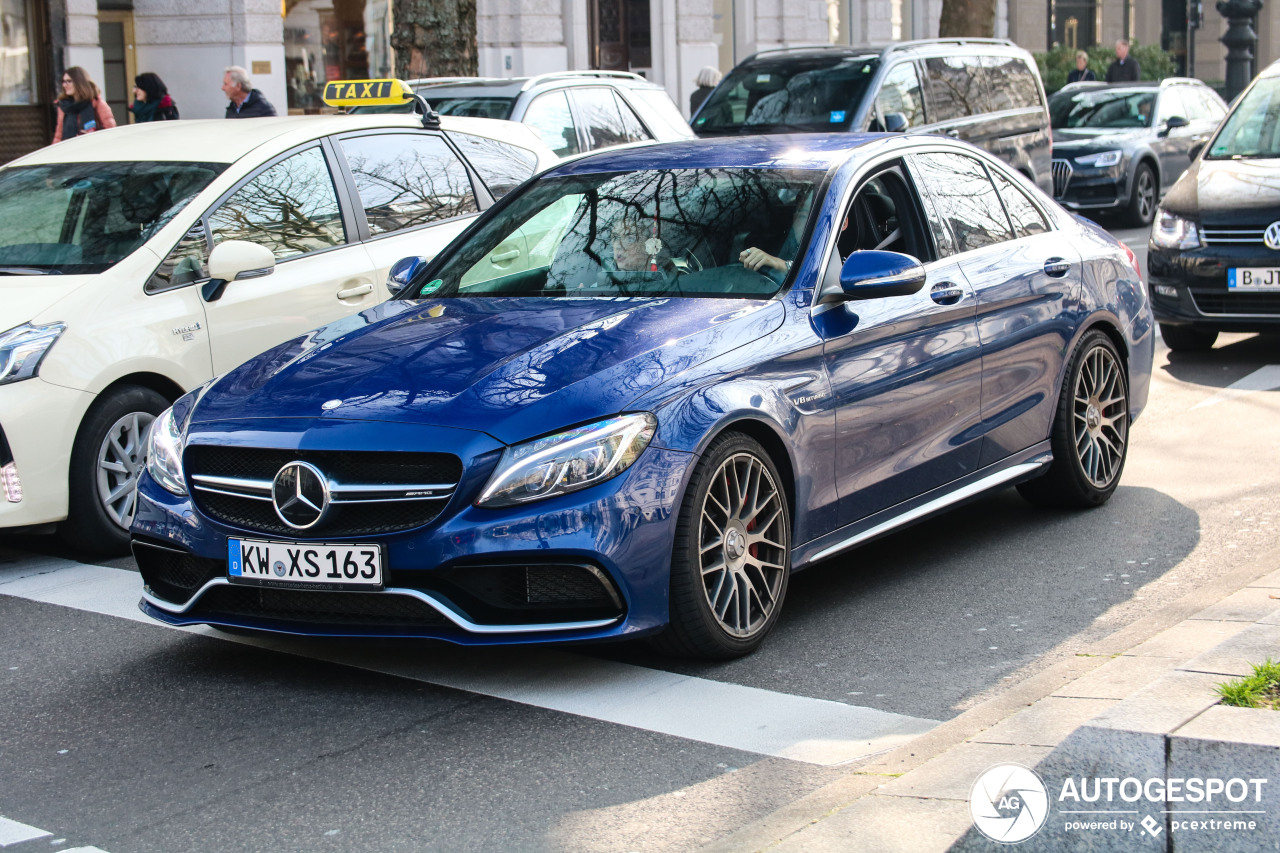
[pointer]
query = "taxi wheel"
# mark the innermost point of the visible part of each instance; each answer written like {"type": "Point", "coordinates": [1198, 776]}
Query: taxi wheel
{"type": "Point", "coordinates": [732, 554]}
{"type": "Point", "coordinates": [1188, 339]}
{"type": "Point", "coordinates": [108, 457]}
{"type": "Point", "coordinates": [1090, 435]}
{"type": "Point", "coordinates": [1142, 200]}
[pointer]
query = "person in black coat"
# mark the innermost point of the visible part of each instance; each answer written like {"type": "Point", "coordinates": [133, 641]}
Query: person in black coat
{"type": "Point", "coordinates": [1081, 74]}
{"type": "Point", "coordinates": [707, 80]}
{"type": "Point", "coordinates": [151, 101]}
{"type": "Point", "coordinates": [246, 101]}
{"type": "Point", "coordinates": [1125, 69]}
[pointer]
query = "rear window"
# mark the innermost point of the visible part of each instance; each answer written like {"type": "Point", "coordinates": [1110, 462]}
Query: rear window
{"type": "Point", "coordinates": [1011, 83]}
{"type": "Point", "coordinates": [957, 88]}
{"type": "Point", "coordinates": [85, 217]}
{"type": "Point", "coordinates": [811, 94]}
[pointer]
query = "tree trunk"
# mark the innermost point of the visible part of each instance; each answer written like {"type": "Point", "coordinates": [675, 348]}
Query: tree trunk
{"type": "Point", "coordinates": [975, 18]}
{"type": "Point", "coordinates": [435, 38]}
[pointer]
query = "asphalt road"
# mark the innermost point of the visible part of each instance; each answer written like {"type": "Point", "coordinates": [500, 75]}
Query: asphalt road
{"type": "Point", "coordinates": [123, 735]}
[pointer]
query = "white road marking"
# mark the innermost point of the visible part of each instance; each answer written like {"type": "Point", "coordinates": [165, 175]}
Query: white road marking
{"type": "Point", "coordinates": [816, 731]}
{"type": "Point", "coordinates": [1263, 379]}
{"type": "Point", "coordinates": [12, 832]}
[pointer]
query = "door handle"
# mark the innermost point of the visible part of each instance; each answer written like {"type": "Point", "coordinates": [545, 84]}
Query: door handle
{"type": "Point", "coordinates": [1057, 267]}
{"type": "Point", "coordinates": [500, 257]}
{"type": "Point", "coordinates": [358, 290]}
{"type": "Point", "coordinates": [946, 293]}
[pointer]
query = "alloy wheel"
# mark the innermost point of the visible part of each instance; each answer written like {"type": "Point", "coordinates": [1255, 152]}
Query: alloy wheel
{"type": "Point", "coordinates": [121, 458]}
{"type": "Point", "coordinates": [1101, 417]}
{"type": "Point", "coordinates": [1146, 195]}
{"type": "Point", "coordinates": [742, 545]}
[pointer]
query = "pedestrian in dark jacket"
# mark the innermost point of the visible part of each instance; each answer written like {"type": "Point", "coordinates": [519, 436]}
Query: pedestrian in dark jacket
{"type": "Point", "coordinates": [1125, 69]}
{"type": "Point", "coordinates": [707, 80]}
{"type": "Point", "coordinates": [1081, 74]}
{"type": "Point", "coordinates": [81, 108]}
{"type": "Point", "coordinates": [246, 101]}
{"type": "Point", "coordinates": [151, 101]}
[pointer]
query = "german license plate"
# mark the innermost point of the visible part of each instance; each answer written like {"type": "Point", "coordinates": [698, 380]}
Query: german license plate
{"type": "Point", "coordinates": [1253, 278]}
{"type": "Point", "coordinates": [308, 565]}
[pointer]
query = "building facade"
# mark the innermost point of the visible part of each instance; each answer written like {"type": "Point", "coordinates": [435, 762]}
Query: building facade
{"type": "Point", "coordinates": [293, 46]}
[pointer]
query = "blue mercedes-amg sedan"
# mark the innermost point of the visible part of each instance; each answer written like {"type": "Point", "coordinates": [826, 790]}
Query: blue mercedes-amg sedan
{"type": "Point", "coordinates": [646, 387]}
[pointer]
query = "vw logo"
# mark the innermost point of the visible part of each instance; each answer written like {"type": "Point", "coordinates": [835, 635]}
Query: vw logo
{"type": "Point", "coordinates": [300, 495]}
{"type": "Point", "coordinates": [1272, 236]}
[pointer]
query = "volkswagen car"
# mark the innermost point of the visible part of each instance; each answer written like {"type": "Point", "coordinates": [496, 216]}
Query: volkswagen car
{"type": "Point", "coordinates": [723, 361]}
{"type": "Point", "coordinates": [1214, 256]}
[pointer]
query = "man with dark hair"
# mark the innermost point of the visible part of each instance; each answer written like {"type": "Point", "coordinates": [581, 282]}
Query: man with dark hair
{"type": "Point", "coordinates": [246, 101]}
{"type": "Point", "coordinates": [1124, 69]}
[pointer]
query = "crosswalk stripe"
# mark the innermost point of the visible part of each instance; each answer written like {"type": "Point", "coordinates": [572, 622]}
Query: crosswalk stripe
{"type": "Point", "coordinates": [12, 832]}
{"type": "Point", "coordinates": [815, 731]}
{"type": "Point", "coordinates": [1263, 379]}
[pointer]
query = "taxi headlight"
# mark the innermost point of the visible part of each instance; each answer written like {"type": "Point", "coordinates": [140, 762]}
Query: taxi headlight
{"type": "Point", "coordinates": [568, 461]}
{"type": "Point", "coordinates": [1171, 231]}
{"type": "Point", "coordinates": [22, 348]}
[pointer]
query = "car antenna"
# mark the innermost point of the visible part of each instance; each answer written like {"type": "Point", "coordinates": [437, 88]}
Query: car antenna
{"type": "Point", "coordinates": [430, 118]}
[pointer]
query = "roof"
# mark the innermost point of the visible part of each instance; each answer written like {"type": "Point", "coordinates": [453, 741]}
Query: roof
{"type": "Point", "coordinates": [776, 151]}
{"type": "Point", "coordinates": [227, 140]}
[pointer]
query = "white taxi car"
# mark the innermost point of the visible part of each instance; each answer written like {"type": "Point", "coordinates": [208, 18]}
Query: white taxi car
{"type": "Point", "coordinates": [138, 262]}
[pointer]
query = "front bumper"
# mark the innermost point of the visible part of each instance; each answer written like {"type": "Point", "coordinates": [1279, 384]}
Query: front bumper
{"type": "Point", "coordinates": [589, 565]}
{"type": "Point", "coordinates": [38, 422]}
{"type": "Point", "coordinates": [1188, 287]}
{"type": "Point", "coordinates": [1085, 188]}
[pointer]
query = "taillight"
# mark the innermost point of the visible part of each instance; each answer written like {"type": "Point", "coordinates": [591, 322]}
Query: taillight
{"type": "Point", "coordinates": [1133, 259]}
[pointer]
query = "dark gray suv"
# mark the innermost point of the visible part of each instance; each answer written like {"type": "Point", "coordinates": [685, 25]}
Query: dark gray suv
{"type": "Point", "coordinates": [984, 91]}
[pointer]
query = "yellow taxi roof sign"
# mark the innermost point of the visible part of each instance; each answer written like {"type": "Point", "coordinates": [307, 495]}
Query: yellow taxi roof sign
{"type": "Point", "coordinates": [363, 93]}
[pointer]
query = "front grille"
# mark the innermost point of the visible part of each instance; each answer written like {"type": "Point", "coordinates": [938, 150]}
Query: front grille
{"type": "Point", "coordinates": [1232, 235]}
{"type": "Point", "coordinates": [373, 610]}
{"type": "Point", "coordinates": [1224, 302]}
{"type": "Point", "coordinates": [1061, 177]}
{"type": "Point", "coordinates": [348, 470]}
{"type": "Point", "coordinates": [174, 575]}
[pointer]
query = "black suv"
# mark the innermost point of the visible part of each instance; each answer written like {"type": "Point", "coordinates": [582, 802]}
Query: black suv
{"type": "Point", "coordinates": [1121, 146]}
{"type": "Point", "coordinates": [1214, 256]}
{"type": "Point", "coordinates": [984, 91]}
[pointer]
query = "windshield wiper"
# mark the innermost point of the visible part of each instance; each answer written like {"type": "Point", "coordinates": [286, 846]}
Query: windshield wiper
{"type": "Point", "coordinates": [6, 270]}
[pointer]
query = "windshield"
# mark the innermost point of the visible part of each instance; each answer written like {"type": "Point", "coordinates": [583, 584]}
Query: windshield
{"type": "Point", "coordinates": [813, 94]}
{"type": "Point", "coordinates": [84, 217]}
{"type": "Point", "coordinates": [645, 233]}
{"type": "Point", "coordinates": [1109, 108]}
{"type": "Point", "coordinates": [1252, 131]}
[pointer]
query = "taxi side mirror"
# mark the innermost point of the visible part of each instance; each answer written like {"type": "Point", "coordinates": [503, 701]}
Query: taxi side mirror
{"type": "Point", "coordinates": [234, 260]}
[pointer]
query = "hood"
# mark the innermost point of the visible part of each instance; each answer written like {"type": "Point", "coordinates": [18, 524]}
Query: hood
{"type": "Point", "coordinates": [24, 298]}
{"type": "Point", "coordinates": [1078, 140]}
{"type": "Point", "coordinates": [1228, 192]}
{"type": "Point", "coordinates": [511, 367]}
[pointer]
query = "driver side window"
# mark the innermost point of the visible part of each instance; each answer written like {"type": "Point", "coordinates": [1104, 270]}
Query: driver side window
{"type": "Point", "coordinates": [884, 217]}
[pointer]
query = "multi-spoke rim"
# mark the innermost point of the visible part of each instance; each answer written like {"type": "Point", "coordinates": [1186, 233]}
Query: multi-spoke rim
{"type": "Point", "coordinates": [1101, 417]}
{"type": "Point", "coordinates": [742, 545]}
{"type": "Point", "coordinates": [1146, 194]}
{"type": "Point", "coordinates": [121, 458]}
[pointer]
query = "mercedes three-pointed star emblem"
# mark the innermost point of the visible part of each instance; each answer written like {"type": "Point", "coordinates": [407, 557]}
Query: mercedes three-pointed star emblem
{"type": "Point", "coordinates": [300, 495]}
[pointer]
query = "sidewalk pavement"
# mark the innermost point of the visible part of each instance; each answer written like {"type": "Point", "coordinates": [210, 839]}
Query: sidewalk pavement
{"type": "Point", "coordinates": [1139, 705]}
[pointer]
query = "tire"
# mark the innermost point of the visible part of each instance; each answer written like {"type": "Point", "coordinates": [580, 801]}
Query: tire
{"type": "Point", "coordinates": [1142, 197]}
{"type": "Point", "coordinates": [1090, 435]}
{"type": "Point", "coordinates": [106, 461]}
{"type": "Point", "coordinates": [1188, 338]}
{"type": "Point", "coordinates": [735, 512]}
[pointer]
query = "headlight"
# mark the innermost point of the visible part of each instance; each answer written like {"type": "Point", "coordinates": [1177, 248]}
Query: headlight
{"type": "Point", "coordinates": [568, 461]}
{"type": "Point", "coordinates": [1171, 231]}
{"type": "Point", "coordinates": [169, 438]}
{"type": "Point", "coordinates": [23, 347]}
{"type": "Point", "coordinates": [1106, 158]}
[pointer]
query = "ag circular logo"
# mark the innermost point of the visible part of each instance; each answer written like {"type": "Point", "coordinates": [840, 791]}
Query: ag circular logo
{"type": "Point", "coordinates": [1272, 236]}
{"type": "Point", "coordinates": [300, 495]}
{"type": "Point", "coordinates": [1009, 803]}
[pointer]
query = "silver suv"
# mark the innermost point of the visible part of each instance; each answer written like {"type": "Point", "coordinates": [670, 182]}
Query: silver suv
{"type": "Point", "coordinates": [573, 111]}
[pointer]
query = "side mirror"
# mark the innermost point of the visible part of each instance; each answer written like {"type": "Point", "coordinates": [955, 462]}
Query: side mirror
{"type": "Point", "coordinates": [895, 122]}
{"type": "Point", "coordinates": [1173, 123]}
{"type": "Point", "coordinates": [871, 275]}
{"type": "Point", "coordinates": [1195, 151]}
{"type": "Point", "coordinates": [234, 260]}
{"type": "Point", "coordinates": [403, 271]}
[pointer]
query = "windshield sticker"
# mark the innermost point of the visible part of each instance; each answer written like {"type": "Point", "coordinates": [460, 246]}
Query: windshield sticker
{"type": "Point", "coordinates": [762, 78]}
{"type": "Point", "coordinates": [837, 116]}
{"type": "Point", "coordinates": [430, 287]}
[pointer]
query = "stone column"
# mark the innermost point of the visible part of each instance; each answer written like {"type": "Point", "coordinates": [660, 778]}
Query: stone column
{"type": "Point", "coordinates": [1240, 40]}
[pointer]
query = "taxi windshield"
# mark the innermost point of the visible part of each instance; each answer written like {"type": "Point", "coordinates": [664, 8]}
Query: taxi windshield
{"type": "Point", "coordinates": [1252, 131]}
{"type": "Point", "coordinates": [680, 232]}
{"type": "Point", "coordinates": [85, 217]}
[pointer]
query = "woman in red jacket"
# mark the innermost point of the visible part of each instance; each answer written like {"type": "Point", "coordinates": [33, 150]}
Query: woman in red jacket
{"type": "Point", "coordinates": [81, 108]}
